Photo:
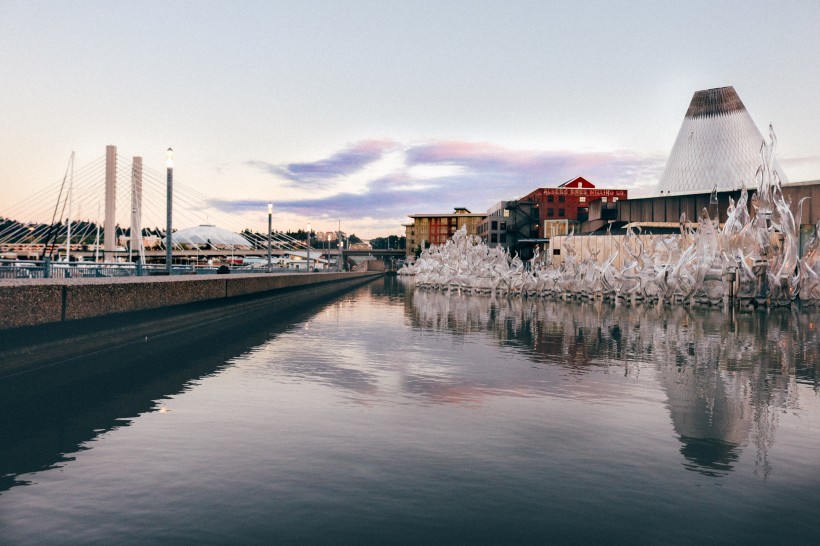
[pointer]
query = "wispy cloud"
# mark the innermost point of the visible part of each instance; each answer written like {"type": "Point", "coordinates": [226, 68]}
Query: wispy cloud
{"type": "Point", "coordinates": [321, 173]}
{"type": "Point", "coordinates": [437, 176]}
{"type": "Point", "coordinates": [545, 167]}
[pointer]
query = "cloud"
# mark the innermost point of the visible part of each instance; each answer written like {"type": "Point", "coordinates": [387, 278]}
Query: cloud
{"type": "Point", "coordinates": [322, 173]}
{"type": "Point", "coordinates": [437, 176]}
{"type": "Point", "coordinates": [545, 167]}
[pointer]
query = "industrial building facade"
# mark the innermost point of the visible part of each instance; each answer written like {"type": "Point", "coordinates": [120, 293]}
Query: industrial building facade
{"type": "Point", "coordinates": [519, 225]}
{"type": "Point", "coordinates": [575, 202]}
{"type": "Point", "coordinates": [510, 225]}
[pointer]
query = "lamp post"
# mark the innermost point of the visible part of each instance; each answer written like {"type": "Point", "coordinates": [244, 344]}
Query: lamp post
{"type": "Point", "coordinates": [308, 248]}
{"type": "Point", "coordinates": [169, 170]}
{"type": "Point", "coordinates": [270, 223]}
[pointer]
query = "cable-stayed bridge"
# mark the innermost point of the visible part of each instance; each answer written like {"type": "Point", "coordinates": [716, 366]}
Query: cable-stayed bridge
{"type": "Point", "coordinates": [95, 207]}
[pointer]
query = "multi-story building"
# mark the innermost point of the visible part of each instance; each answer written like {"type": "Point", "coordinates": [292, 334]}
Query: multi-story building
{"type": "Point", "coordinates": [511, 225]}
{"type": "Point", "coordinates": [572, 203]}
{"type": "Point", "coordinates": [493, 228]}
{"type": "Point", "coordinates": [435, 229]}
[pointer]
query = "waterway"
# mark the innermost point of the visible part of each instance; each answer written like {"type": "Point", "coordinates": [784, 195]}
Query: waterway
{"type": "Point", "coordinates": [389, 415]}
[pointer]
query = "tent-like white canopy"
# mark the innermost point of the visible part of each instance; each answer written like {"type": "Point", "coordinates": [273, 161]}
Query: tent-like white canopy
{"type": "Point", "coordinates": [210, 235]}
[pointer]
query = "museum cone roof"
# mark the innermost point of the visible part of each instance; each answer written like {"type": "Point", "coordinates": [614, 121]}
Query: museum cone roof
{"type": "Point", "coordinates": [718, 145]}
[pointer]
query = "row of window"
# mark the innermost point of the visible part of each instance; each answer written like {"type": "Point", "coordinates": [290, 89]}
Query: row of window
{"type": "Point", "coordinates": [551, 212]}
{"type": "Point", "coordinates": [494, 226]}
{"type": "Point", "coordinates": [443, 221]}
{"type": "Point", "coordinates": [582, 199]}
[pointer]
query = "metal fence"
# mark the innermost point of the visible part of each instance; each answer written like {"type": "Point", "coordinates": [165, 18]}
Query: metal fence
{"type": "Point", "coordinates": [47, 269]}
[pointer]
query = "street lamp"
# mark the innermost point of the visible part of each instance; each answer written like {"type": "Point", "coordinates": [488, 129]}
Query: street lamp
{"type": "Point", "coordinates": [270, 223]}
{"type": "Point", "coordinates": [169, 171]}
{"type": "Point", "coordinates": [308, 247]}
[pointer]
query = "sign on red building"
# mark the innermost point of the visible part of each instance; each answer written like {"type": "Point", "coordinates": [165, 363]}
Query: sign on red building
{"type": "Point", "coordinates": [570, 201]}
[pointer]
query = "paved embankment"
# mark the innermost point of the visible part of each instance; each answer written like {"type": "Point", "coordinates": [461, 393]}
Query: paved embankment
{"type": "Point", "coordinates": [32, 302]}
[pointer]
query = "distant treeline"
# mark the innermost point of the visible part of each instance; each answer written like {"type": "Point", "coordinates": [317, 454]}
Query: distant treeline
{"type": "Point", "coordinates": [85, 232]}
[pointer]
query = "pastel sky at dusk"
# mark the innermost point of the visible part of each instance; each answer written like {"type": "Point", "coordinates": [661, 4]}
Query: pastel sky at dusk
{"type": "Point", "coordinates": [365, 112]}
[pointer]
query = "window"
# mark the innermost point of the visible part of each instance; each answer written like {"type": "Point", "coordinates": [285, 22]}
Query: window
{"type": "Point", "coordinates": [550, 212]}
{"type": "Point", "coordinates": [503, 226]}
{"type": "Point", "coordinates": [603, 199]}
{"type": "Point", "coordinates": [493, 238]}
{"type": "Point", "coordinates": [494, 226]}
{"type": "Point", "coordinates": [561, 198]}
{"type": "Point", "coordinates": [582, 199]}
{"type": "Point", "coordinates": [506, 213]}
{"type": "Point", "coordinates": [556, 251]}
{"type": "Point", "coordinates": [550, 198]}
{"type": "Point", "coordinates": [503, 238]}
{"type": "Point", "coordinates": [561, 212]}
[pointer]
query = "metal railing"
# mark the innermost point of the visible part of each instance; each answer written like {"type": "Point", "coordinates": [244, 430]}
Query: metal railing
{"type": "Point", "coordinates": [47, 269]}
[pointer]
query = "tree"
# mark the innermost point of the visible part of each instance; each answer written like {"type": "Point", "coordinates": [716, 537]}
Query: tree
{"type": "Point", "coordinates": [418, 249]}
{"type": "Point", "coordinates": [393, 242]}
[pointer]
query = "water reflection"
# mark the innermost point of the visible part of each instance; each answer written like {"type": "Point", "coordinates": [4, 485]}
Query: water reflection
{"type": "Point", "coordinates": [725, 376]}
{"type": "Point", "coordinates": [48, 415]}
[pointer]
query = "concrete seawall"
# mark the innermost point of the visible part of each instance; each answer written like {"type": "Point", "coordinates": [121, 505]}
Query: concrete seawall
{"type": "Point", "coordinates": [210, 322]}
{"type": "Point", "coordinates": [33, 302]}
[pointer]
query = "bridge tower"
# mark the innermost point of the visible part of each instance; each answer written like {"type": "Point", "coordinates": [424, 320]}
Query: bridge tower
{"type": "Point", "coordinates": [135, 240]}
{"type": "Point", "coordinates": [110, 224]}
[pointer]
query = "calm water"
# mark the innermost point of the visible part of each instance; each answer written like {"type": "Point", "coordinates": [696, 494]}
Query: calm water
{"type": "Point", "coordinates": [393, 416]}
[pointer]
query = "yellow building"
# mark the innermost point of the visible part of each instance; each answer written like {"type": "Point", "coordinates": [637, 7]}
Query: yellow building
{"type": "Point", "coordinates": [434, 229]}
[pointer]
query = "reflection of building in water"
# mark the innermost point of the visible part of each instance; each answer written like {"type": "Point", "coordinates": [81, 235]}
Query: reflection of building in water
{"type": "Point", "coordinates": [710, 413]}
{"type": "Point", "coordinates": [731, 377]}
{"type": "Point", "coordinates": [726, 376]}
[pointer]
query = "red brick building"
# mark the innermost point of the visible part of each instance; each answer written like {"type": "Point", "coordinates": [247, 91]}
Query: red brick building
{"type": "Point", "coordinates": [570, 203]}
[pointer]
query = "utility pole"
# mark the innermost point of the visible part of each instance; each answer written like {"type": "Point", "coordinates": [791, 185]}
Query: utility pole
{"type": "Point", "coordinates": [169, 171]}
{"type": "Point", "coordinates": [339, 245]}
{"type": "Point", "coordinates": [270, 225]}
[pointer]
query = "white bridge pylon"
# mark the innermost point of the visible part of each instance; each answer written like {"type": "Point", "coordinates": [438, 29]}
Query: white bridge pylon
{"type": "Point", "coordinates": [132, 196]}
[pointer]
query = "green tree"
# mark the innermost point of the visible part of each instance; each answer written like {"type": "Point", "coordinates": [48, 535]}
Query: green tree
{"type": "Point", "coordinates": [392, 242]}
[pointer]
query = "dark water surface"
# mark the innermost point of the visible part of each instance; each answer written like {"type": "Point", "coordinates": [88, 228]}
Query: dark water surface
{"type": "Point", "coordinates": [393, 416]}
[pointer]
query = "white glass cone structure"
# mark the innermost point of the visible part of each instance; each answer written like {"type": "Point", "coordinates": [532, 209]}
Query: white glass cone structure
{"type": "Point", "coordinates": [718, 145]}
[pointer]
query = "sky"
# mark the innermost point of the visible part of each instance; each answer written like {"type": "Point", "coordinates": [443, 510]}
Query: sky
{"type": "Point", "coordinates": [360, 113]}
